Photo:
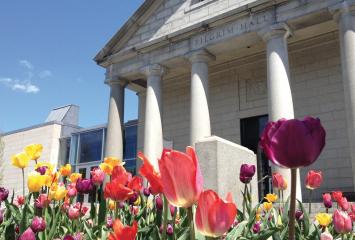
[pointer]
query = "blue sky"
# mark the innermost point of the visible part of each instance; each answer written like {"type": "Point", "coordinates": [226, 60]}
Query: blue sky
{"type": "Point", "coordinates": [46, 52]}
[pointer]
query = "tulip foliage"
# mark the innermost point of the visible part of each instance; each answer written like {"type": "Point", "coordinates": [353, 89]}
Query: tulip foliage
{"type": "Point", "coordinates": [172, 202]}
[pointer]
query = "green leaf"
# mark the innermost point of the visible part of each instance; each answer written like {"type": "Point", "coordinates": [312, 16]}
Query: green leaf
{"type": "Point", "coordinates": [88, 231]}
{"type": "Point", "coordinates": [102, 209]}
{"type": "Point", "coordinates": [305, 219]}
{"type": "Point", "coordinates": [237, 231]}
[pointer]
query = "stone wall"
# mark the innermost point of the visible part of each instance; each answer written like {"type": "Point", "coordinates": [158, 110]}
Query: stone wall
{"type": "Point", "coordinates": [47, 135]}
{"type": "Point", "coordinates": [240, 91]}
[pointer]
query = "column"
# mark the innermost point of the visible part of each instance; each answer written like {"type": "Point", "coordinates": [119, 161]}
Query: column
{"type": "Point", "coordinates": [153, 132]}
{"type": "Point", "coordinates": [114, 136]}
{"type": "Point", "coordinates": [344, 14]}
{"type": "Point", "coordinates": [200, 125]}
{"type": "Point", "coordinates": [280, 104]}
{"type": "Point", "coordinates": [140, 131]}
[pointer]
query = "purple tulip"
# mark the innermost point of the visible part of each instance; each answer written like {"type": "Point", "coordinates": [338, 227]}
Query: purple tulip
{"type": "Point", "coordinates": [159, 203]}
{"type": "Point", "coordinates": [293, 143]}
{"type": "Point", "coordinates": [169, 230]}
{"type": "Point", "coordinates": [68, 237]}
{"type": "Point", "coordinates": [84, 186]}
{"type": "Point", "coordinates": [4, 193]}
{"type": "Point", "coordinates": [41, 170]}
{"type": "Point", "coordinates": [133, 198]}
{"type": "Point", "coordinates": [109, 222]}
{"type": "Point", "coordinates": [28, 235]}
{"type": "Point", "coordinates": [299, 215]}
{"type": "Point", "coordinates": [256, 227]}
{"type": "Point", "coordinates": [38, 224]}
{"type": "Point", "coordinates": [246, 173]}
{"type": "Point", "coordinates": [146, 192]}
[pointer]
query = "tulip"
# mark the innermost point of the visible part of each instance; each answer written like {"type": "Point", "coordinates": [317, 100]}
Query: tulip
{"type": "Point", "coordinates": [136, 184]}
{"type": "Point", "coordinates": [74, 177]}
{"type": "Point", "coordinates": [170, 230]}
{"type": "Point", "coordinates": [97, 176]}
{"type": "Point", "coordinates": [112, 205]}
{"type": "Point", "coordinates": [146, 192]}
{"type": "Point", "coordinates": [337, 195]}
{"type": "Point", "coordinates": [117, 191]}
{"type": "Point", "coordinates": [344, 204]}
{"type": "Point", "coordinates": [256, 227]}
{"type": "Point", "coordinates": [20, 160]}
{"type": "Point", "coordinates": [247, 172]}
{"type": "Point", "coordinates": [123, 232]}
{"type": "Point", "coordinates": [41, 166]}
{"type": "Point", "coordinates": [327, 200]}
{"type": "Point", "coordinates": [326, 236]}
{"type": "Point", "coordinates": [153, 177]}
{"type": "Point", "coordinates": [314, 179]}
{"type": "Point", "coordinates": [109, 222]}
{"type": "Point", "coordinates": [278, 181]}
{"type": "Point", "coordinates": [84, 186]}
{"type": "Point", "coordinates": [73, 212]}
{"type": "Point", "coordinates": [109, 164]}
{"type": "Point", "coordinates": [299, 215]}
{"type": "Point", "coordinates": [71, 190]}
{"type": "Point", "coordinates": [35, 181]}
{"type": "Point", "coordinates": [42, 201]}
{"type": "Point", "coordinates": [181, 177]}
{"type": "Point", "coordinates": [214, 216]}
{"type": "Point", "coordinates": [65, 170]}
{"type": "Point", "coordinates": [68, 237]}
{"type": "Point", "coordinates": [34, 151]}
{"type": "Point", "coordinates": [38, 224]}
{"type": "Point", "coordinates": [41, 170]}
{"type": "Point", "coordinates": [271, 197]}
{"type": "Point", "coordinates": [1, 216]}
{"type": "Point", "coordinates": [57, 192]}
{"type": "Point", "coordinates": [267, 206]}
{"type": "Point", "coordinates": [342, 222]}
{"type": "Point", "coordinates": [279, 138]}
{"type": "Point", "coordinates": [20, 200]}
{"type": "Point", "coordinates": [159, 203]}
{"type": "Point", "coordinates": [4, 194]}
{"type": "Point", "coordinates": [324, 219]}
{"type": "Point", "coordinates": [28, 235]}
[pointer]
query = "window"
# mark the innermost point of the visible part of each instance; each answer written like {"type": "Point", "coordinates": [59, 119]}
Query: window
{"type": "Point", "coordinates": [90, 146]}
{"type": "Point", "coordinates": [195, 4]}
{"type": "Point", "coordinates": [130, 147]}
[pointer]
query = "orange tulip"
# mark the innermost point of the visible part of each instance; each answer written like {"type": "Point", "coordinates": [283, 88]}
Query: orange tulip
{"type": "Point", "coordinates": [181, 177]}
{"type": "Point", "coordinates": [123, 233]}
{"type": "Point", "coordinates": [65, 170]}
{"type": "Point", "coordinates": [153, 177]}
{"type": "Point", "coordinates": [314, 179]}
{"type": "Point", "coordinates": [214, 216]}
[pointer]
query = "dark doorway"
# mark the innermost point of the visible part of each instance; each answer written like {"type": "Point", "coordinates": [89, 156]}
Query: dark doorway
{"type": "Point", "coordinates": [250, 130]}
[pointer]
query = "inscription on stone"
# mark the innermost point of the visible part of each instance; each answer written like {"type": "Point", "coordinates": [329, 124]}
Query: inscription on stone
{"type": "Point", "coordinates": [233, 29]}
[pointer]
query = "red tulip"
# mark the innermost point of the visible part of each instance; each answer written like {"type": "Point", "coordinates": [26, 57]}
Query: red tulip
{"type": "Point", "coordinates": [247, 172]}
{"type": "Point", "coordinates": [136, 184]}
{"type": "Point", "coordinates": [337, 196]}
{"type": "Point", "coordinates": [342, 222]}
{"type": "Point", "coordinates": [314, 179]}
{"type": "Point", "coordinates": [123, 233]}
{"type": "Point", "coordinates": [278, 181]}
{"type": "Point", "coordinates": [181, 177]}
{"type": "Point", "coordinates": [153, 177]}
{"type": "Point", "coordinates": [344, 204]}
{"type": "Point", "coordinates": [293, 143]}
{"type": "Point", "coordinates": [117, 191]}
{"type": "Point", "coordinates": [327, 200]}
{"type": "Point", "coordinates": [214, 216]}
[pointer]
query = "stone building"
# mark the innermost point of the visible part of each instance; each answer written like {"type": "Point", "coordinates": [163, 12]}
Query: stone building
{"type": "Point", "coordinates": [223, 68]}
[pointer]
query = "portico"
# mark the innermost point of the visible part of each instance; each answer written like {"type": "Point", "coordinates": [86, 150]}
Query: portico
{"type": "Point", "coordinates": [202, 78]}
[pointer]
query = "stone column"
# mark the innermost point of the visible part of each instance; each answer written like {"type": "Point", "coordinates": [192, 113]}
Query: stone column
{"type": "Point", "coordinates": [153, 132]}
{"type": "Point", "coordinates": [280, 104]}
{"type": "Point", "coordinates": [344, 14]}
{"type": "Point", "coordinates": [200, 125]}
{"type": "Point", "coordinates": [114, 136]}
{"type": "Point", "coordinates": [140, 131]}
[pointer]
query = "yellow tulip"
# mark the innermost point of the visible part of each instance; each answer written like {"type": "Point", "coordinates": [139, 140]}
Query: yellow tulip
{"type": "Point", "coordinates": [112, 205]}
{"type": "Point", "coordinates": [324, 219]}
{"type": "Point", "coordinates": [267, 206]}
{"type": "Point", "coordinates": [109, 163]}
{"type": "Point", "coordinates": [65, 170]}
{"type": "Point", "coordinates": [52, 179]}
{"type": "Point", "coordinates": [57, 192]}
{"type": "Point", "coordinates": [20, 160]}
{"type": "Point", "coordinates": [271, 197]}
{"type": "Point", "coordinates": [74, 177]}
{"type": "Point", "coordinates": [34, 151]}
{"type": "Point", "coordinates": [36, 181]}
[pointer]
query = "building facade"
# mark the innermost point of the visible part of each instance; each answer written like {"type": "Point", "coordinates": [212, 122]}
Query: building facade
{"type": "Point", "coordinates": [226, 67]}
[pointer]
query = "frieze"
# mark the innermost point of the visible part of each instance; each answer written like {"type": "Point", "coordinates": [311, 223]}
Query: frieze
{"type": "Point", "coordinates": [241, 26]}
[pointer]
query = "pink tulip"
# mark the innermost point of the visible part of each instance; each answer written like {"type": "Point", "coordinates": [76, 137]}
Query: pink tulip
{"type": "Point", "coordinates": [28, 235]}
{"type": "Point", "coordinates": [42, 201]}
{"type": "Point", "coordinates": [314, 179]}
{"type": "Point", "coordinates": [326, 236]}
{"type": "Point", "coordinates": [293, 143]}
{"type": "Point", "coordinates": [38, 224]}
{"type": "Point", "coordinates": [72, 192]}
{"type": "Point", "coordinates": [344, 204]}
{"type": "Point", "coordinates": [181, 177]}
{"type": "Point", "coordinates": [98, 176]}
{"type": "Point", "coordinates": [278, 181]}
{"type": "Point", "coordinates": [327, 200]}
{"type": "Point", "coordinates": [73, 212]}
{"type": "Point", "coordinates": [342, 222]}
{"type": "Point", "coordinates": [214, 216]}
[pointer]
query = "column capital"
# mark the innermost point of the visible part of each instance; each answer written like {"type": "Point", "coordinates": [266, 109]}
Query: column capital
{"type": "Point", "coordinates": [201, 55]}
{"type": "Point", "coordinates": [345, 7]}
{"type": "Point", "coordinates": [114, 80]}
{"type": "Point", "coordinates": [275, 31]}
{"type": "Point", "coordinates": [153, 70]}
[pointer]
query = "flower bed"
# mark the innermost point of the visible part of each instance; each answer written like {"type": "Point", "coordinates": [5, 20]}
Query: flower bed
{"type": "Point", "coordinates": [174, 204]}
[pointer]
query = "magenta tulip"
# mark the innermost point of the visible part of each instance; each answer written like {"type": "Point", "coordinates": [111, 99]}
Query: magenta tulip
{"type": "Point", "coordinates": [84, 186]}
{"type": "Point", "coordinates": [342, 222]}
{"type": "Point", "coordinates": [38, 224]}
{"type": "Point", "coordinates": [28, 235]}
{"type": "Point", "coordinates": [247, 172]}
{"type": "Point", "coordinates": [293, 143]}
{"type": "Point", "coordinates": [4, 193]}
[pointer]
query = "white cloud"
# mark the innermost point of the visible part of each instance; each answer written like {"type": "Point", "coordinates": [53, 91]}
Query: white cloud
{"type": "Point", "coordinates": [26, 64]}
{"type": "Point", "coordinates": [18, 85]}
{"type": "Point", "coordinates": [45, 74]}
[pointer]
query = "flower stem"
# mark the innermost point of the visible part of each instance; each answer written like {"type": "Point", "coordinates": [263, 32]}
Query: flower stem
{"type": "Point", "coordinates": [291, 230]}
{"type": "Point", "coordinates": [310, 202]}
{"type": "Point", "coordinates": [23, 182]}
{"type": "Point", "coordinates": [244, 200]}
{"type": "Point", "coordinates": [192, 227]}
{"type": "Point", "coordinates": [165, 217]}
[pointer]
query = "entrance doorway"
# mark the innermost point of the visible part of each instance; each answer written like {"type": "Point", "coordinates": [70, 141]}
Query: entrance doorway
{"type": "Point", "coordinates": [250, 131]}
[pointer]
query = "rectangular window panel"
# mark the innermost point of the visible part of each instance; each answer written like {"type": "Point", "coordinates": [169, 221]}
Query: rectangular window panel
{"type": "Point", "coordinates": [90, 146]}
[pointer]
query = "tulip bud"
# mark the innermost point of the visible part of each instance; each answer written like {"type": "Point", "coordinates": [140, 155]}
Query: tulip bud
{"type": "Point", "coordinates": [327, 200]}
{"type": "Point", "coordinates": [20, 200]}
{"type": "Point", "coordinates": [314, 179]}
{"type": "Point", "coordinates": [68, 237]}
{"type": "Point", "coordinates": [133, 198]}
{"type": "Point", "coordinates": [28, 235]}
{"type": "Point", "coordinates": [109, 222]}
{"type": "Point", "coordinates": [326, 236]}
{"type": "Point", "coordinates": [169, 230]}
{"type": "Point", "coordinates": [121, 205]}
{"type": "Point", "coordinates": [4, 193]}
{"type": "Point", "coordinates": [159, 203]}
{"type": "Point", "coordinates": [299, 215]}
{"type": "Point", "coordinates": [172, 210]}
{"type": "Point", "coordinates": [41, 170]}
{"type": "Point", "coordinates": [38, 224]}
{"type": "Point", "coordinates": [246, 173]}
{"type": "Point", "coordinates": [146, 192]}
{"type": "Point", "coordinates": [256, 227]}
